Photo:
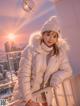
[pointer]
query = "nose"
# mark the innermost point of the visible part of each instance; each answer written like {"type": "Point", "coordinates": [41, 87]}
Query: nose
{"type": "Point", "coordinates": [50, 38]}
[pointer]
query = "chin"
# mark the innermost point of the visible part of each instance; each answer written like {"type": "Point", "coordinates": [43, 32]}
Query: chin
{"type": "Point", "coordinates": [50, 45]}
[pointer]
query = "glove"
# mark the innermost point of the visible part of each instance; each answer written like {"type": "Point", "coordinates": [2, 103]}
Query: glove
{"type": "Point", "coordinates": [54, 82]}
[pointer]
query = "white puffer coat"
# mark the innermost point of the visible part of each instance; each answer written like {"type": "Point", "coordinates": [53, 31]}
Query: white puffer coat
{"type": "Point", "coordinates": [33, 64]}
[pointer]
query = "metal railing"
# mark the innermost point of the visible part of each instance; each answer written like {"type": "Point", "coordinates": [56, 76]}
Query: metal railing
{"type": "Point", "coordinates": [67, 96]}
{"type": "Point", "coordinates": [9, 63]}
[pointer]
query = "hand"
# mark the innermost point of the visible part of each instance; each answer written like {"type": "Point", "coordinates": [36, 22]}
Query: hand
{"type": "Point", "coordinates": [55, 83]}
{"type": "Point", "coordinates": [32, 103]}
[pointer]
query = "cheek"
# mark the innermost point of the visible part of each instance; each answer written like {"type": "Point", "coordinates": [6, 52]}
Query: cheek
{"type": "Point", "coordinates": [55, 40]}
{"type": "Point", "coordinates": [45, 38]}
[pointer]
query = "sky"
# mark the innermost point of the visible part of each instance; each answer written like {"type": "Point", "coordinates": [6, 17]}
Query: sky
{"type": "Point", "coordinates": [13, 19]}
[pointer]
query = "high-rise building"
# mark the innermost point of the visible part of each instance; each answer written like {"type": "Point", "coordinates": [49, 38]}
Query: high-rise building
{"type": "Point", "coordinates": [10, 46]}
{"type": "Point", "coordinates": [13, 55]}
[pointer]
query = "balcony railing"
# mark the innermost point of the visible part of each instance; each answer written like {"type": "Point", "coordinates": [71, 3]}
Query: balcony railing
{"type": "Point", "coordinates": [64, 96]}
{"type": "Point", "coordinates": [60, 97]}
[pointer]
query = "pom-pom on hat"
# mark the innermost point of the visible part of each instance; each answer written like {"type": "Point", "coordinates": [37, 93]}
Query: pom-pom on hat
{"type": "Point", "coordinates": [51, 25]}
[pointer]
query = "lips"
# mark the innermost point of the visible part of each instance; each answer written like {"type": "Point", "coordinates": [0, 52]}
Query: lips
{"type": "Point", "coordinates": [49, 42]}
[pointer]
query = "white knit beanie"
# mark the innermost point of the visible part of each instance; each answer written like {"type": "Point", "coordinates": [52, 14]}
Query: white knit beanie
{"type": "Point", "coordinates": [51, 25]}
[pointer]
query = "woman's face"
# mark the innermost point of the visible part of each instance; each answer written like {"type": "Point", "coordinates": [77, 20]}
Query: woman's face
{"type": "Point", "coordinates": [50, 38]}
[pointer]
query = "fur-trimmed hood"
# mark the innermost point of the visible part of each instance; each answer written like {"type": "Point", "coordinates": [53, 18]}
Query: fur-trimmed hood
{"type": "Point", "coordinates": [35, 40]}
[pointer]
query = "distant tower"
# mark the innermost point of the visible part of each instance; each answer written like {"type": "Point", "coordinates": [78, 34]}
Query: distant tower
{"type": "Point", "coordinates": [13, 55]}
{"type": "Point", "coordinates": [10, 46]}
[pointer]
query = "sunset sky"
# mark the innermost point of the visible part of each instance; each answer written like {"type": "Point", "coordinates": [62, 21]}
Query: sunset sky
{"type": "Point", "coordinates": [13, 19]}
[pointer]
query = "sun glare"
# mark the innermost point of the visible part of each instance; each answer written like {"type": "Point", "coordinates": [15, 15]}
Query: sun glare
{"type": "Point", "coordinates": [11, 37]}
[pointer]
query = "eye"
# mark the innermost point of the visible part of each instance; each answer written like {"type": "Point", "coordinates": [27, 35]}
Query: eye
{"type": "Point", "coordinates": [55, 36]}
{"type": "Point", "coordinates": [48, 34]}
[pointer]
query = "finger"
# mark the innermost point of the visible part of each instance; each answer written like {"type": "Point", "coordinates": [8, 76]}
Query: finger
{"type": "Point", "coordinates": [55, 85]}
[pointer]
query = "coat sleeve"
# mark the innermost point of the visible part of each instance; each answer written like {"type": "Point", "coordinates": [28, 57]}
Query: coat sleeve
{"type": "Point", "coordinates": [25, 74]}
{"type": "Point", "coordinates": [65, 70]}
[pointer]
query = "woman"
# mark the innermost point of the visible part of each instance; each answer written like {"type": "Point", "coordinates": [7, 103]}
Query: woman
{"type": "Point", "coordinates": [44, 63]}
